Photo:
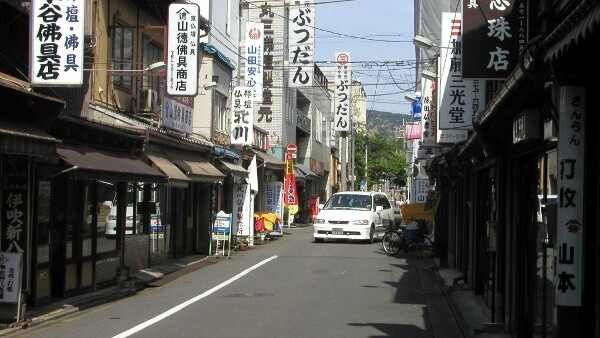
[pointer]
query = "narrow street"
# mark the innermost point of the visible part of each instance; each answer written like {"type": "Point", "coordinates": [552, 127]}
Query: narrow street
{"type": "Point", "coordinates": [289, 287]}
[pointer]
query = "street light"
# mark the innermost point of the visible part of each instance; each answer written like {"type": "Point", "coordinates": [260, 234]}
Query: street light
{"type": "Point", "coordinates": [410, 98]}
{"type": "Point", "coordinates": [424, 43]}
{"type": "Point", "coordinates": [429, 75]}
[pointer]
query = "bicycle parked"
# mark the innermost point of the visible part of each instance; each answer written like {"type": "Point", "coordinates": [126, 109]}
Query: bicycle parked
{"type": "Point", "coordinates": [415, 239]}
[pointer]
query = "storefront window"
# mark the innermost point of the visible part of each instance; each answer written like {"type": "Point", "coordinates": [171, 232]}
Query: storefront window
{"type": "Point", "coordinates": [107, 197]}
{"type": "Point", "coordinates": [43, 221]}
{"type": "Point", "coordinates": [545, 215]}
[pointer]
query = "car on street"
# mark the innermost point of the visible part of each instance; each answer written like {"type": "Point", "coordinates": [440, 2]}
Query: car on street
{"type": "Point", "coordinates": [111, 222]}
{"type": "Point", "coordinates": [353, 215]}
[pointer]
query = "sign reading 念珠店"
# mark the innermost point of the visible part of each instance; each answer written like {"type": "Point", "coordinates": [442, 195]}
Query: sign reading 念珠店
{"type": "Point", "coordinates": [57, 42]}
{"type": "Point", "coordinates": [183, 49]}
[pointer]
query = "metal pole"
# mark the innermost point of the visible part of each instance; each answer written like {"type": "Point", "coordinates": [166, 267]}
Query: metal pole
{"type": "Point", "coordinates": [344, 183]}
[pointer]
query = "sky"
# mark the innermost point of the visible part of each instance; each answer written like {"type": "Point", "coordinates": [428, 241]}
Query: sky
{"type": "Point", "coordinates": [378, 34]}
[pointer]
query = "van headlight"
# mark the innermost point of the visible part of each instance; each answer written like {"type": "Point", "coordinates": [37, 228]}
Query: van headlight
{"type": "Point", "coordinates": [361, 222]}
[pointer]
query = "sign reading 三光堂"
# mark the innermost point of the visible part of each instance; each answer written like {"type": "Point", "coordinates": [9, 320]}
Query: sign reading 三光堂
{"type": "Point", "coordinates": [253, 74]}
{"type": "Point", "coordinates": [182, 51]}
{"type": "Point", "coordinates": [57, 42]}
{"type": "Point", "coordinates": [302, 42]}
{"type": "Point", "coordinates": [342, 100]}
{"type": "Point", "coordinates": [569, 220]}
{"type": "Point", "coordinates": [242, 115]}
{"type": "Point", "coordinates": [460, 99]}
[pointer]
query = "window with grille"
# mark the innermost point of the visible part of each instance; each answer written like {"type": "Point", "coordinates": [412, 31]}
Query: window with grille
{"type": "Point", "coordinates": [122, 54]}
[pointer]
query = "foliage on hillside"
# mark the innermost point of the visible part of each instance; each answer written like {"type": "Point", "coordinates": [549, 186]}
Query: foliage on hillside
{"type": "Point", "coordinates": [379, 159]}
{"type": "Point", "coordinates": [386, 124]}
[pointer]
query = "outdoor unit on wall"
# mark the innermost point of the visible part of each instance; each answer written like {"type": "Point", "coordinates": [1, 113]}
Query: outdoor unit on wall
{"type": "Point", "coordinates": [146, 102]}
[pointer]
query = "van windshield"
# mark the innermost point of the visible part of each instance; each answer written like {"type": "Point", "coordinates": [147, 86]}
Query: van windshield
{"type": "Point", "coordinates": [349, 202]}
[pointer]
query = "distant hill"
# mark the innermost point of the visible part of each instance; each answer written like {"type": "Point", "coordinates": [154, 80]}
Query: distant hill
{"type": "Point", "coordinates": [385, 123]}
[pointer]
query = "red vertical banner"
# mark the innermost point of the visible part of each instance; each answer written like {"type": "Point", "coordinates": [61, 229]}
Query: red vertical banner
{"type": "Point", "coordinates": [290, 192]}
{"type": "Point", "coordinates": [313, 204]}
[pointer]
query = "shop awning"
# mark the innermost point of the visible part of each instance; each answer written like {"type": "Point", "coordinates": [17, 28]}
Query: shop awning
{"type": "Point", "coordinates": [270, 161]}
{"type": "Point", "coordinates": [299, 174]}
{"type": "Point", "coordinates": [92, 163]}
{"type": "Point", "coordinates": [20, 138]}
{"type": "Point", "coordinates": [416, 211]}
{"type": "Point", "coordinates": [306, 171]}
{"type": "Point", "coordinates": [196, 167]}
{"type": "Point", "coordinates": [174, 176]}
{"type": "Point", "coordinates": [234, 169]}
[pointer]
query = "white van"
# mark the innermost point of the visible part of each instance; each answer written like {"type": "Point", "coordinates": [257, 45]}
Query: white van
{"type": "Point", "coordinates": [110, 225]}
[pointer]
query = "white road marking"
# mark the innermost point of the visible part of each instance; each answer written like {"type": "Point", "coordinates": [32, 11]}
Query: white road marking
{"type": "Point", "coordinates": [185, 304]}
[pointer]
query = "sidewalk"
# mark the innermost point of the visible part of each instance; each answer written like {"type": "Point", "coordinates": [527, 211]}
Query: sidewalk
{"type": "Point", "coordinates": [470, 311]}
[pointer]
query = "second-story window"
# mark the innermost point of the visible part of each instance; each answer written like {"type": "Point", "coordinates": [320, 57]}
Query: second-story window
{"type": "Point", "coordinates": [122, 58]}
{"type": "Point", "coordinates": [221, 113]}
{"type": "Point", "coordinates": [151, 53]}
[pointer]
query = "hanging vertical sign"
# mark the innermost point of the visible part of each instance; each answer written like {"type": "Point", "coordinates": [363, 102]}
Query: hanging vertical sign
{"type": "Point", "coordinates": [495, 33]}
{"type": "Point", "coordinates": [253, 75]}
{"type": "Point", "coordinates": [290, 192]}
{"type": "Point", "coordinates": [11, 268]}
{"type": "Point", "coordinates": [460, 99]}
{"type": "Point", "coordinates": [182, 51]}
{"type": "Point", "coordinates": [242, 127]}
{"type": "Point", "coordinates": [57, 42]}
{"type": "Point", "coordinates": [241, 210]}
{"type": "Point", "coordinates": [570, 226]}
{"type": "Point", "coordinates": [417, 108]}
{"type": "Point", "coordinates": [343, 80]}
{"type": "Point", "coordinates": [429, 112]}
{"type": "Point", "coordinates": [302, 43]}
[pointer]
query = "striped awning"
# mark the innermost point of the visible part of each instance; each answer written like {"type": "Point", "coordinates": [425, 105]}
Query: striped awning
{"type": "Point", "coordinates": [20, 138]}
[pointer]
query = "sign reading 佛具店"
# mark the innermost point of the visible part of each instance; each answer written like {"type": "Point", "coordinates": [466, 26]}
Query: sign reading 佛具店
{"type": "Point", "coordinates": [182, 52]}
{"type": "Point", "coordinates": [57, 42]}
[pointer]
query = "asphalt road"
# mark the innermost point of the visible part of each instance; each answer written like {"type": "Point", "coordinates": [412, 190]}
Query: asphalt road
{"type": "Point", "coordinates": [289, 287]}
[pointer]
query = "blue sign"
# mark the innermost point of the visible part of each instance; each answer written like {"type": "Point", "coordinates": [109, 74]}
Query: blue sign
{"type": "Point", "coordinates": [416, 109]}
{"type": "Point", "coordinates": [222, 223]}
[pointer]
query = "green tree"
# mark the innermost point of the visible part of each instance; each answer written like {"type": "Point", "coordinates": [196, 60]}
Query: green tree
{"type": "Point", "coordinates": [378, 160]}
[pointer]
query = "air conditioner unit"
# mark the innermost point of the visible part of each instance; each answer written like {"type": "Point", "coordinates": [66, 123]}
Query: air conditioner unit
{"type": "Point", "coordinates": [147, 101]}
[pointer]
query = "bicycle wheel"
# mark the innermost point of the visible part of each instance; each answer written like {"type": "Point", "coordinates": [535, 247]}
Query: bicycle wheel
{"type": "Point", "coordinates": [391, 242]}
{"type": "Point", "coordinates": [424, 248]}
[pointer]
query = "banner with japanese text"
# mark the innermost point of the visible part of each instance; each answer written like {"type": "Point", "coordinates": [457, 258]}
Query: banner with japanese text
{"type": "Point", "coordinates": [301, 43]}
{"type": "Point", "coordinates": [491, 47]}
{"type": "Point", "coordinates": [182, 50]}
{"type": "Point", "coordinates": [253, 72]}
{"type": "Point", "coordinates": [290, 193]}
{"type": "Point", "coordinates": [342, 100]}
{"type": "Point", "coordinates": [571, 191]}
{"type": "Point", "coordinates": [460, 99]}
{"type": "Point", "coordinates": [242, 115]}
{"type": "Point", "coordinates": [57, 43]}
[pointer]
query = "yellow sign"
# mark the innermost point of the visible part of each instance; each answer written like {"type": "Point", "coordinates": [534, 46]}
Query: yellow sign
{"type": "Point", "coordinates": [293, 209]}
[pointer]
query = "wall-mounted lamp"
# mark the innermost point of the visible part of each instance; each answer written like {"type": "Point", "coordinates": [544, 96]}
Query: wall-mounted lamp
{"type": "Point", "coordinates": [429, 75]}
{"type": "Point", "coordinates": [156, 67]}
{"type": "Point", "coordinates": [210, 85]}
{"type": "Point", "coordinates": [424, 43]}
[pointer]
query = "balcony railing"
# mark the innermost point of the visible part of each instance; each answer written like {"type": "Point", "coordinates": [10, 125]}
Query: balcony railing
{"type": "Point", "coordinates": [302, 121]}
